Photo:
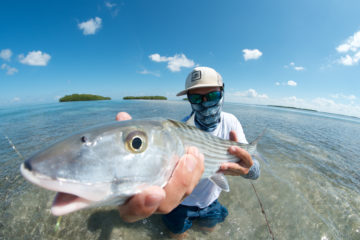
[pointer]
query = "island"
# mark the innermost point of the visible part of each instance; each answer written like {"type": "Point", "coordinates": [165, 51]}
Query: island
{"type": "Point", "coordinates": [145, 98]}
{"type": "Point", "coordinates": [82, 97]}
{"type": "Point", "coordinates": [295, 108]}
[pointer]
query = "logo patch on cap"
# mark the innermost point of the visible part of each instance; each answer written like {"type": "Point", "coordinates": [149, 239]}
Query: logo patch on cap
{"type": "Point", "coordinates": [195, 75]}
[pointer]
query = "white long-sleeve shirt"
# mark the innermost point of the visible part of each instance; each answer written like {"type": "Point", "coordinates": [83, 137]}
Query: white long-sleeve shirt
{"type": "Point", "coordinates": [206, 191]}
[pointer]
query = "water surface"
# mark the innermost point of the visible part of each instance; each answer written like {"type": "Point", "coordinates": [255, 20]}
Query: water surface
{"type": "Point", "coordinates": [309, 185]}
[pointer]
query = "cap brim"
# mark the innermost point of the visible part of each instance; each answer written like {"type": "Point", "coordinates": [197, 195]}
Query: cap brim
{"type": "Point", "coordinates": [183, 92]}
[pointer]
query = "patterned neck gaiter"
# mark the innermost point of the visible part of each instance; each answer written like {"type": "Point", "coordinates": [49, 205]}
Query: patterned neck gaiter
{"type": "Point", "coordinates": [207, 114]}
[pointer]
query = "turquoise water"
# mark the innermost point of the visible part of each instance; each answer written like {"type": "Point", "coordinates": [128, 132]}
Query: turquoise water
{"type": "Point", "coordinates": [309, 184]}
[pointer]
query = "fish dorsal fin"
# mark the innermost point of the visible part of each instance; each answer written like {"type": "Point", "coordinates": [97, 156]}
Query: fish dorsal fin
{"type": "Point", "coordinates": [219, 180]}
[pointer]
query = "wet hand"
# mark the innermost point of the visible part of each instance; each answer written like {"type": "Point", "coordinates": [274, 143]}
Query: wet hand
{"type": "Point", "coordinates": [155, 199]}
{"type": "Point", "coordinates": [241, 167]}
{"type": "Point", "coordinates": [123, 116]}
{"type": "Point", "coordinates": [163, 200]}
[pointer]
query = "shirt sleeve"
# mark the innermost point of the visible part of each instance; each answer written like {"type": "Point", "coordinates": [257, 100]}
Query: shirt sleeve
{"type": "Point", "coordinates": [254, 171]}
{"type": "Point", "coordinates": [239, 131]}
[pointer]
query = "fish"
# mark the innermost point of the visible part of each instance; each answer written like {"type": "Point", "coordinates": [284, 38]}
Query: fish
{"type": "Point", "coordinates": [107, 164]}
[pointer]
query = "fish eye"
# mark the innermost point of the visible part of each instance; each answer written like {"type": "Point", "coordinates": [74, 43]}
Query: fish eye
{"type": "Point", "coordinates": [136, 142]}
{"type": "Point", "coordinates": [84, 139]}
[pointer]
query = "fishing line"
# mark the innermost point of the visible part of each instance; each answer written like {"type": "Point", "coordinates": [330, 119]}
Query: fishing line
{"type": "Point", "coordinates": [13, 147]}
{"type": "Point", "coordinates": [57, 226]}
{"type": "Point", "coordinates": [263, 211]}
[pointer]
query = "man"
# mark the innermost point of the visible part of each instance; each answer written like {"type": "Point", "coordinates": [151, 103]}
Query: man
{"type": "Point", "coordinates": [205, 90]}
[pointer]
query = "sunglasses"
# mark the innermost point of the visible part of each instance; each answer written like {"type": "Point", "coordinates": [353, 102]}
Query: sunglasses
{"type": "Point", "coordinates": [198, 98]}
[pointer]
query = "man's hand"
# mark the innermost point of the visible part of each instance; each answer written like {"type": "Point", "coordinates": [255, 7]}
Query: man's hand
{"type": "Point", "coordinates": [155, 199]}
{"type": "Point", "coordinates": [123, 116]}
{"type": "Point", "coordinates": [241, 167]}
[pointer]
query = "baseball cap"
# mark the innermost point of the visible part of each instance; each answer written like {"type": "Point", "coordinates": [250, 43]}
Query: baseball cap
{"type": "Point", "coordinates": [202, 77]}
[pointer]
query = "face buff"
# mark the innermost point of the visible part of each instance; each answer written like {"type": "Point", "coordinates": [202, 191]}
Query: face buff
{"type": "Point", "coordinates": [207, 114]}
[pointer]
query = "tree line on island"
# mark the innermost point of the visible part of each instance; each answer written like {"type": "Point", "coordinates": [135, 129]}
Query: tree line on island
{"type": "Point", "coordinates": [145, 98]}
{"type": "Point", "coordinates": [91, 97]}
{"type": "Point", "coordinates": [82, 97]}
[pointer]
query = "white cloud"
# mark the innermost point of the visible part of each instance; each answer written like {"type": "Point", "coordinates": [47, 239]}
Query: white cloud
{"type": "Point", "coordinates": [292, 101]}
{"type": "Point", "coordinates": [296, 68]}
{"type": "Point", "coordinates": [9, 70]}
{"type": "Point", "coordinates": [323, 105]}
{"type": "Point", "coordinates": [113, 8]}
{"type": "Point", "coordinates": [288, 83]}
{"type": "Point", "coordinates": [110, 5]}
{"type": "Point", "coordinates": [352, 48]}
{"type": "Point", "coordinates": [350, 60]}
{"type": "Point", "coordinates": [350, 97]}
{"type": "Point", "coordinates": [146, 72]}
{"type": "Point", "coordinates": [323, 102]}
{"type": "Point", "coordinates": [343, 48]}
{"type": "Point", "coordinates": [157, 58]}
{"type": "Point", "coordinates": [351, 44]}
{"type": "Point", "coordinates": [347, 60]}
{"type": "Point", "coordinates": [250, 54]}
{"type": "Point", "coordinates": [292, 83]}
{"type": "Point", "coordinates": [251, 93]}
{"type": "Point", "coordinates": [175, 63]}
{"type": "Point", "coordinates": [319, 103]}
{"type": "Point", "coordinates": [91, 26]}
{"type": "Point", "coordinates": [16, 99]}
{"type": "Point", "coordinates": [328, 105]}
{"type": "Point", "coordinates": [6, 54]}
{"type": "Point", "coordinates": [35, 58]}
{"type": "Point", "coordinates": [250, 96]}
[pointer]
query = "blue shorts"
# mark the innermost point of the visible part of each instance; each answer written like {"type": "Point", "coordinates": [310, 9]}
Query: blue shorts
{"type": "Point", "coordinates": [181, 218]}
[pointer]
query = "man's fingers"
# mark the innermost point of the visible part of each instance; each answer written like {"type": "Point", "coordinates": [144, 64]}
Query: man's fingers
{"type": "Point", "coordinates": [122, 116]}
{"type": "Point", "coordinates": [240, 153]}
{"type": "Point", "coordinates": [142, 205]}
{"type": "Point", "coordinates": [233, 136]}
{"type": "Point", "coordinates": [234, 169]}
{"type": "Point", "coordinates": [229, 165]}
{"type": "Point", "coordinates": [184, 179]}
{"type": "Point", "coordinates": [242, 166]}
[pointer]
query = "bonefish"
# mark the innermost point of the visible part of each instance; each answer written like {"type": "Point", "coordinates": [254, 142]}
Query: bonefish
{"type": "Point", "coordinates": [106, 165]}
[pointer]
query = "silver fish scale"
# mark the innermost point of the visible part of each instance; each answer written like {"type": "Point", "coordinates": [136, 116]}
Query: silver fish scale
{"type": "Point", "coordinates": [215, 149]}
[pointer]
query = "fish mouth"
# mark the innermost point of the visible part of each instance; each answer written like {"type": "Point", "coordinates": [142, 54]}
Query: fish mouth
{"type": "Point", "coordinates": [71, 195]}
{"type": "Point", "coordinates": [65, 203]}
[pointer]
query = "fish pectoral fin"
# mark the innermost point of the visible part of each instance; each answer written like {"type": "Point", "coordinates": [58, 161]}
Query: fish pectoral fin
{"type": "Point", "coordinates": [219, 180]}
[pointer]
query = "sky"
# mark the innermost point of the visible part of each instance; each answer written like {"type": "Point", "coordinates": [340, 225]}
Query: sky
{"type": "Point", "coordinates": [302, 54]}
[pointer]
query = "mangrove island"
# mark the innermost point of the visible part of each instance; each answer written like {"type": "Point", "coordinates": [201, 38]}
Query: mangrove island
{"type": "Point", "coordinates": [82, 97]}
{"type": "Point", "coordinates": [145, 98]}
{"type": "Point", "coordinates": [295, 108]}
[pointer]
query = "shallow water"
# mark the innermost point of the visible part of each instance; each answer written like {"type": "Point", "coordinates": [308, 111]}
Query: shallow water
{"type": "Point", "coordinates": [309, 185]}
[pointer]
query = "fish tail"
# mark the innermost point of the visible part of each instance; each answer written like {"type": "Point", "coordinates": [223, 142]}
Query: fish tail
{"type": "Point", "coordinates": [253, 145]}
